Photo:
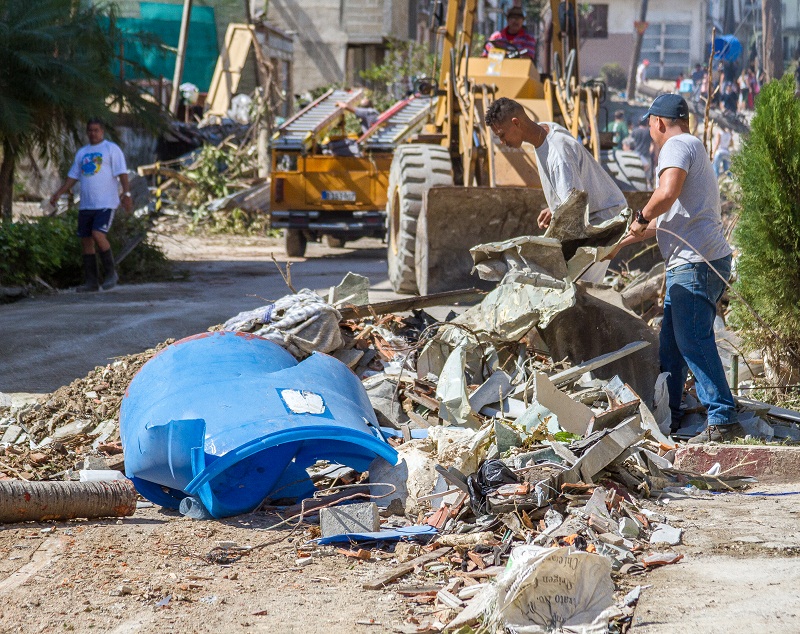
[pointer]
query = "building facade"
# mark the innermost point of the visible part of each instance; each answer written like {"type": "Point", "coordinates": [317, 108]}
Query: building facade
{"type": "Point", "coordinates": [674, 41]}
{"type": "Point", "coordinates": [336, 39]}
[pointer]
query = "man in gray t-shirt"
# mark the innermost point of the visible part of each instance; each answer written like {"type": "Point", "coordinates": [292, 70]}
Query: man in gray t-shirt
{"type": "Point", "coordinates": [564, 164]}
{"type": "Point", "coordinates": [684, 215]}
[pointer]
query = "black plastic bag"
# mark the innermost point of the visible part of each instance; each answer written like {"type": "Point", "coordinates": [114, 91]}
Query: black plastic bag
{"type": "Point", "coordinates": [491, 475]}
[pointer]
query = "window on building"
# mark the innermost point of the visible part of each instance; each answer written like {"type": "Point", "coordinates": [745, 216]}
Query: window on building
{"type": "Point", "coordinates": [593, 21]}
{"type": "Point", "coordinates": [667, 46]}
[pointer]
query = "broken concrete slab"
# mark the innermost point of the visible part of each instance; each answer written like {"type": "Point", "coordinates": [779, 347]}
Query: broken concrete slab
{"type": "Point", "coordinates": [606, 450]}
{"type": "Point", "coordinates": [72, 429]}
{"type": "Point", "coordinates": [349, 356]}
{"type": "Point", "coordinates": [532, 254]}
{"type": "Point", "coordinates": [11, 434]}
{"type": "Point", "coordinates": [505, 437]}
{"type": "Point", "coordinates": [381, 392]}
{"type": "Point", "coordinates": [549, 402]}
{"type": "Point", "coordinates": [628, 528]}
{"type": "Point", "coordinates": [666, 534]}
{"type": "Point", "coordinates": [571, 221]}
{"type": "Point", "coordinates": [352, 290]}
{"type": "Point", "coordinates": [493, 390]}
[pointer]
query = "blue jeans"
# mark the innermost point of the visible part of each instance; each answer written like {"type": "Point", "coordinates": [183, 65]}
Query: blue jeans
{"type": "Point", "coordinates": [722, 164]}
{"type": "Point", "coordinates": [687, 338]}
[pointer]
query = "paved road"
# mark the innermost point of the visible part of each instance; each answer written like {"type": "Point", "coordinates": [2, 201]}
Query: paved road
{"type": "Point", "coordinates": [48, 341]}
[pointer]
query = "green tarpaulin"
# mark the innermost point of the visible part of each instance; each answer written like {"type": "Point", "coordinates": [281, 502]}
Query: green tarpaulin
{"type": "Point", "coordinates": [151, 41]}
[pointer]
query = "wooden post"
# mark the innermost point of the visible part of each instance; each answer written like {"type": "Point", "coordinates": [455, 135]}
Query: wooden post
{"type": "Point", "coordinates": [773, 39]}
{"type": "Point", "coordinates": [637, 50]}
{"type": "Point", "coordinates": [181, 57]}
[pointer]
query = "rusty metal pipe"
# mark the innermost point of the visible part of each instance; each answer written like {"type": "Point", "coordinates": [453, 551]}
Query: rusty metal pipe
{"type": "Point", "coordinates": [24, 501]}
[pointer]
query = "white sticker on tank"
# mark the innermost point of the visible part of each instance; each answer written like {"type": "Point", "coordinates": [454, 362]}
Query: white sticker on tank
{"type": "Point", "coordinates": [303, 401]}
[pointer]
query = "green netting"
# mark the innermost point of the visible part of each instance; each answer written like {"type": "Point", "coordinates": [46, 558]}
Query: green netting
{"type": "Point", "coordinates": [149, 39]}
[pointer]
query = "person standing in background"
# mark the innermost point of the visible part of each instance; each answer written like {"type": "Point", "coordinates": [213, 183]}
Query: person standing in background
{"type": "Point", "coordinates": [97, 167]}
{"type": "Point", "coordinates": [722, 150]}
{"type": "Point", "coordinates": [618, 127]}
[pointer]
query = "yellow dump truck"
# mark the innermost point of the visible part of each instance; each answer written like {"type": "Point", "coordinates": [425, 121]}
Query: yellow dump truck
{"type": "Point", "coordinates": [326, 183]}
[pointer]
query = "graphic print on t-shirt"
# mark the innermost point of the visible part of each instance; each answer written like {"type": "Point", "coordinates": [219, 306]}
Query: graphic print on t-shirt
{"type": "Point", "coordinates": [91, 163]}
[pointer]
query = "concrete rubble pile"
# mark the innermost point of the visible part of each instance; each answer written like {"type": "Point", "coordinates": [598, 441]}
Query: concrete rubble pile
{"type": "Point", "coordinates": [535, 463]}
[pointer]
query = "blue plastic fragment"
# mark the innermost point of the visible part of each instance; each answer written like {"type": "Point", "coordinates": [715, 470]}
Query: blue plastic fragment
{"type": "Point", "coordinates": [396, 433]}
{"type": "Point", "coordinates": [407, 533]}
{"type": "Point", "coordinates": [233, 419]}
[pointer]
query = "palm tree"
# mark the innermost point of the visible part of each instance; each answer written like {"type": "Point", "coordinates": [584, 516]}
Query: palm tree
{"type": "Point", "coordinates": [55, 72]}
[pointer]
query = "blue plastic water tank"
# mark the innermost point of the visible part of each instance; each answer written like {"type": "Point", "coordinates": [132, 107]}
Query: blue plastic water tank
{"type": "Point", "coordinates": [234, 419]}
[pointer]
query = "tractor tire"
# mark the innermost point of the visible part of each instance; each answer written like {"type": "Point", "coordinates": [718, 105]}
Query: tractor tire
{"type": "Point", "coordinates": [415, 169]}
{"type": "Point", "coordinates": [295, 243]}
{"type": "Point", "coordinates": [334, 242]}
{"type": "Point", "coordinates": [626, 169]}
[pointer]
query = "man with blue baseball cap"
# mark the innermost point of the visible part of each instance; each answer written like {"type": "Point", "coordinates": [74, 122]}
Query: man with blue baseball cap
{"type": "Point", "coordinates": [684, 215]}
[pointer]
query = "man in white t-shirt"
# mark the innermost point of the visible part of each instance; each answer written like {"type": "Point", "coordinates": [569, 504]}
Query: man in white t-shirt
{"type": "Point", "coordinates": [564, 164]}
{"type": "Point", "coordinates": [684, 215]}
{"type": "Point", "coordinates": [97, 167]}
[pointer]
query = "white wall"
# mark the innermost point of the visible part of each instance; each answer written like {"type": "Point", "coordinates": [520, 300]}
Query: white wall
{"type": "Point", "coordinates": [621, 35]}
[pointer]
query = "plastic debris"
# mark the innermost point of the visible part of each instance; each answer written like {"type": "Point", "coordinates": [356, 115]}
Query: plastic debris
{"type": "Point", "coordinates": [259, 419]}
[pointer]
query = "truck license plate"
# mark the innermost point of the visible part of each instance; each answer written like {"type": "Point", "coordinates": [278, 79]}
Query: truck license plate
{"type": "Point", "coordinates": [339, 195]}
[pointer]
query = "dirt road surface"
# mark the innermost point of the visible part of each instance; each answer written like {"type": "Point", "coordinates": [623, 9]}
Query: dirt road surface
{"type": "Point", "coordinates": [146, 573]}
{"type": "Point", "coordinates": [48, 341]}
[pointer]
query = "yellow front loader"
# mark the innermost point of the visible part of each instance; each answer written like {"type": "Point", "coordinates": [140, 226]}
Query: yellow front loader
{"type": "Point", "coordinates": [454, 186]}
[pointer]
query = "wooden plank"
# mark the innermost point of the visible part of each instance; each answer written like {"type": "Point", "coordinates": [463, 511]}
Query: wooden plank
{"type": "Point", "coordinates": [409, 303]}
{"type": "Point", "coordinates": [228, 70]}
{"type": "Point", "coordinates": [401, 571]}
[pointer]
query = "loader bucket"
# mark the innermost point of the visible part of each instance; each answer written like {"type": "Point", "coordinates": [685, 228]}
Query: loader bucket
{"type": "Point", "coordinates": [455, 219]}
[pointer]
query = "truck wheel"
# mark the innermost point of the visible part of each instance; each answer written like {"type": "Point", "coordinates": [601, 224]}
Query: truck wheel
{"type": "Point", "coordinates": [295, 243]}
{"type": "Point", "coordinates": [626, 169]}
{"type": "Point", "coordinates": [333, 242]}
{"type": "Point", "coordinates": [415, 169]}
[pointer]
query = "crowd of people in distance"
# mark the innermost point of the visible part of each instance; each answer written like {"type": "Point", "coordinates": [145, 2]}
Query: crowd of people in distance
{"type": "Point", "coordinates": [727, 92]}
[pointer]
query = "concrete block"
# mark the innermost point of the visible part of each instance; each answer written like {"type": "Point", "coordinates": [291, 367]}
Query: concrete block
{"type": "Point", "coordinates": [11, 434]}
{"type": "Point", "coordinates": [762, 462]}
{"type": "Point", "coordinates": [666, 534]}
{"type": "Point", "coordinates": [349, 518]}
{"type": "Point", "coordinates": [628, 527]}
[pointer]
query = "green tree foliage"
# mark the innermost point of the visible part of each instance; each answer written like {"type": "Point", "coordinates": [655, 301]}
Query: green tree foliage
{"type": "Point", "coordinates": [614, 76]}
{"type": "Point", "coordinates": [46, 248]}
{"type": "Point", "coordinates": [404, 63]}
{"type": "Point", "coordinates": [56, 72]}
{"type": "Point", "coordinates": [768, 231]}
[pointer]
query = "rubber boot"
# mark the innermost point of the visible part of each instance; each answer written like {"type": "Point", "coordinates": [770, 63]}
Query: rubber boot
{"type": "Point", "coordinates": [89, 274]}
{"type": "Point", "coordinates": [111, 278]}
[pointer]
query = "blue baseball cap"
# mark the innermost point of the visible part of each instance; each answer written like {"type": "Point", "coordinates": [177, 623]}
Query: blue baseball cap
{"type": "Point", "coordinates": [670, 106]}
